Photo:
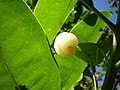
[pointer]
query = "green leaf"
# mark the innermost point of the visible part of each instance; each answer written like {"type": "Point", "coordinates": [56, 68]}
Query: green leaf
{"type": "Point", "coordinates": [90, 52]}
{"type": "Point", "coordinates": [71, 69]}
{"type": "Point", "coordinates": [52, 14]}
{"type": "Point", "coordinates": [87, 33]}
{"type": "Point", "coordinates": [25, 57]}
{"type": "Point", "coordinates": [91, 19]}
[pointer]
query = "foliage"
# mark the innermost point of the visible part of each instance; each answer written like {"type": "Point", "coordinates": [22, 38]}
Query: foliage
{"type": "Point", "coordinates": [114, 4]}
{"type": "Point", "coordinates": [27, 33]}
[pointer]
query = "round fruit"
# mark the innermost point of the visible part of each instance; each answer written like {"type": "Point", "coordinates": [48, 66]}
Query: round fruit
{"type": "Point", "coordinates": [66, 44]}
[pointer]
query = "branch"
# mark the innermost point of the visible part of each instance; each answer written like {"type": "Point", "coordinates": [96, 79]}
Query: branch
{"type": "Point", "coordinates": [109, 78]}
{"type": "Point", "coordinates": [109, 23]}
{"type": "Point", "coordinates": [111, 69]}
{"type": "Point", "coordinates": [115, 52]}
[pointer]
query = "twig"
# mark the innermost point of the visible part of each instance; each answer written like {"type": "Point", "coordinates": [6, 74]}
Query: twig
{"type": "Point", "coordinates": [93, 74]}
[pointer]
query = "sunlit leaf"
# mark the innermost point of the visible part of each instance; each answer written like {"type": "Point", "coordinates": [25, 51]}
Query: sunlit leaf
{"type": "Point", "coordinates": [25, 57]}
{"type": "Point", "coordinates": [71, 70]}
{"type": "Point", "coordinates": [90, 32]}
{"type": "Point", "coordinates": [52, 14]}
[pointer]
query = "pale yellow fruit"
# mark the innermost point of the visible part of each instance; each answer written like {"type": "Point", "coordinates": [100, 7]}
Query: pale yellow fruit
{"type": "Point", "coordinates": [65, 44]}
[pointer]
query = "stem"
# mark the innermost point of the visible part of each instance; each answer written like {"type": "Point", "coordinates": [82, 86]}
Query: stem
{"type": "Point", "coordinates": [95, 84]}
{"type": "Point", "coordinates": [109, 78]}
{"type": "Point", "coordinates": [94, 78]}
{"type": "Point", "coordinates": [111, 69]}
{"type": "Point", "coordinates": [109, 23]}
{"type": "Point", "coordinates": [93, 74]}
{"type": "Point", "coordinates": [6, 65]}
{"type": "Point", "coordinates": [115, 53]}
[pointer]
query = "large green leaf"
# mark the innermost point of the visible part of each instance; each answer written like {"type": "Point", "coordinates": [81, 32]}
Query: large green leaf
{"type": "Point", "coordinates": [52, 14]}
{"type": "Point", "coordinates": [26, 58]}
{"type": "Point", "coordinates": [89, 29]}
{"type": "Point", "coordinates": [71, 71]}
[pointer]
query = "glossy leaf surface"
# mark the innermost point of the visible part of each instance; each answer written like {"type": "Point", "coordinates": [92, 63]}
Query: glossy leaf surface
{"type": "Point", "coordinates": [71, 71]}
{"type": "Point", "coordinates": [52, 14]}
{"type": "Point", "coordinates": [25, 55]}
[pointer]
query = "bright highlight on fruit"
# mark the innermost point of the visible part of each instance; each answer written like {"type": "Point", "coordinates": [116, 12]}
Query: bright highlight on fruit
{"type": "Point", "coordinates": [66, 44]}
